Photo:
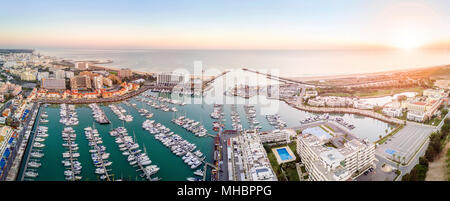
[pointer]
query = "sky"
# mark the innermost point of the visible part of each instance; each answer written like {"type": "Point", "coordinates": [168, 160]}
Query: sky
{"type": "Point", "coordinates": [225, 24]}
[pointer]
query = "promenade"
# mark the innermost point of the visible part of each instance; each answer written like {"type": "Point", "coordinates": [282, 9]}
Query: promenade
{"type": "Point", "coordinates": [96, 100]}
{"type": "Point", "coordinates": [22, 143]}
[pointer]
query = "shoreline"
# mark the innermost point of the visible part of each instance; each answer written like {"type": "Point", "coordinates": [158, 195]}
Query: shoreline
{"type": "Point", "coordinates": [353, 75]}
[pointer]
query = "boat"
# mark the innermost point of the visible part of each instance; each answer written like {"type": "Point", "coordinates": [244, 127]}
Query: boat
{"type": "Point", "coordinates": [199, 173]}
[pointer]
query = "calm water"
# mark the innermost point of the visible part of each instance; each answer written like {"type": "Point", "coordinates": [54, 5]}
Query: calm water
{"type": "Point", "coordinates": [288, 62]}
{"type": "Point", "coordinates": [198, 108]}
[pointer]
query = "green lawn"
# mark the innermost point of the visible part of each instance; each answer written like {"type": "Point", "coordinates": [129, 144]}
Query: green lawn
{"type": "Point", "coordinates": [376, 93]}
{"type": "Point", "coordinates": [289, 168]}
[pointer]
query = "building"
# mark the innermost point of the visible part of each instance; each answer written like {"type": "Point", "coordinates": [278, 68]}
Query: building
{"type": "Point", "coordinates": [9, 88]}
{"type": "Point", "coordinates": [434, 93]}
{"type": "Point", "coordinates": [97, 82]}
{"type": "Point", "coordinates": [326, 160]}
{"type": "Point", "coordinates": [6, 138]}
{"type": "Point", "coordinates": [416, 116]}
{"type": "Point", "coordinates": [443, 84]}
{"type": "Point", "coordinates": [420, 110]}
{"type": "Point", "coordinates": [59, 74]}
{"type": "Point", "coordinates": [169, 79]}
{"type": "Point", "coordinates": [41, 75]}
{"type": "Point", "coordinates": [82, 65]}
{"type": "Point", "coordinates": [28, 76]}
{"type": "Point", "coordinates": [392, 112]}
{"type": "Point", "coordinates": [53, 83]}
{"type": "Point", "coordinates": [248, 159]}
{"type": "Point", "coordinates": [69, 74]}
{"type": "Point", "coordinates": [277, 136]}
{"type": "Point", "coordinates": [125, 72]}
{"type": "Point", "coordinates": [107, 82]}
{"type": "Point", "coordinates": [310, 93]}
{"type": "Point", "coordinates": [80, 82]}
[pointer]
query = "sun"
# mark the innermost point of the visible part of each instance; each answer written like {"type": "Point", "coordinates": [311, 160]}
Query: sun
{"type": "Point", "coordinates": [408, 42]}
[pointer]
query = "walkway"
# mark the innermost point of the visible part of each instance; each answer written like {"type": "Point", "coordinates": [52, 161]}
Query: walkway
{"type": "Point", "coordinates": [96, 100]}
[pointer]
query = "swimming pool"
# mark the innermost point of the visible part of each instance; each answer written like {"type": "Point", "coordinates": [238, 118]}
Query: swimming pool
{"type": "Point", "coordinates": [284, 154]}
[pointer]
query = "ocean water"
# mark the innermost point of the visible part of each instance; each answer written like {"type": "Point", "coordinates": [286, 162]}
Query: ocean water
{"type": "Point", "coordinates": [288, 62]}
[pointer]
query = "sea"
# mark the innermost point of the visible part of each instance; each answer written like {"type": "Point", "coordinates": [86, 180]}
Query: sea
{"type": "Point", "coordinates": [290, 63]}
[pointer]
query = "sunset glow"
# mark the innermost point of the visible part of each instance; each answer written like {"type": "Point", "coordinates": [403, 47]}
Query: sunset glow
{"type": "Point", "coordinates": [216, 25]}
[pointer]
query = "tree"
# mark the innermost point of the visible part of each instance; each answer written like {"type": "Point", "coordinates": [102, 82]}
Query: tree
{"type": "Point", "coordinates": [423, 161]}
{"type": "Point", "coordinates": [401, 98]}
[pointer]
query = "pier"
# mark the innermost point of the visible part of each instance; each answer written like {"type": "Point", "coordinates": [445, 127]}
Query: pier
{"type": "Point", "coordinates": [141, 167]}
{"type": "Point", "coordinates": [71, 158]}
{"type": "Point", "coordinates": [99, 152]}
{"type": "Point", "coordinates": [23, 142]}
{"type": "Point", "coordinates": [205, 168]}
{"type": "Point", "coordinates": [286, 80]}
{"type": "Point", "coordinates": [206, 83]}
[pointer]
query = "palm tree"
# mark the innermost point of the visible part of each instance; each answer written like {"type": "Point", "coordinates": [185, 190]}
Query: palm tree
{"type": "Point", "coordinates": [393, 157]}
{"type": "Point", "coordinates": [404, 159]}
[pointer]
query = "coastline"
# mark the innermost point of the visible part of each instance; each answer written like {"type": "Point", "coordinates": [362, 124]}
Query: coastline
{"type": "Point", "coordinates": [362, 75]}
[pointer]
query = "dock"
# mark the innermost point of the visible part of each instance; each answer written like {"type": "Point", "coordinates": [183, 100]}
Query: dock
{"type": "Point", "coordinates": [101, 159]}
{"type": "Point", "coordinates": [205, 168]}
{"type": "Point", "coordinates": [141, 167]}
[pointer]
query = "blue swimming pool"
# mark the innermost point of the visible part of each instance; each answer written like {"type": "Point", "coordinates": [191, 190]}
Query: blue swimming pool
{"type": "Point", "coordinates": [284, 154]}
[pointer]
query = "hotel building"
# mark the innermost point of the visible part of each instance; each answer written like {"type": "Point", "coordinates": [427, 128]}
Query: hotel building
{"type": "Point", "coordinates": [80, 82]}
{"type": "Point", "coordinates": [82, 65]}
{"type": "Point", "coordinates": [326, 160]}
{"type": "Point", "coordinates": [97, 81]}
{"type": "Point", "coordinates": [169, 79]}
{"type": "Point", "coordinates": [421, 110]}
{"type": "Point", "coordinates": [52, 83]}
{"type": "Point", "coordinates": [125, 72]}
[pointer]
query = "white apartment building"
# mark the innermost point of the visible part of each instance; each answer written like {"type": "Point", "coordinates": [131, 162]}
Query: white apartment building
{"type": "Point", "coordinates": [434, 93]}
{"type": "Point", "coordinates": [416, 116]}
{"type": "Point", "coordinates": [393, 112]}
{"type": "Point", "coordinates": [169, 79]}
{"type": "Point", "coordinates": [277, 136]}
{"type": "Point", "coordinates": [28, 76]}
{"type": "Point", "coordinates": [41, 75]}
{"type": "Point", "coordinates": [97, 82]}
{"type": "Point", "coordinates": [443, 84]}
{"type": "Point", "coordinates": [331, 101]}
{"type": "Point", "coordinates": [249, 159]}
{"type": "Point", "coordinates": [420, 110]}
{"type": "Point", "coordinates": [325, 163]}
{"type": "Point", "coordinates": [70, 74]}
{"type": "Point", "coordinates": [60, 74]}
